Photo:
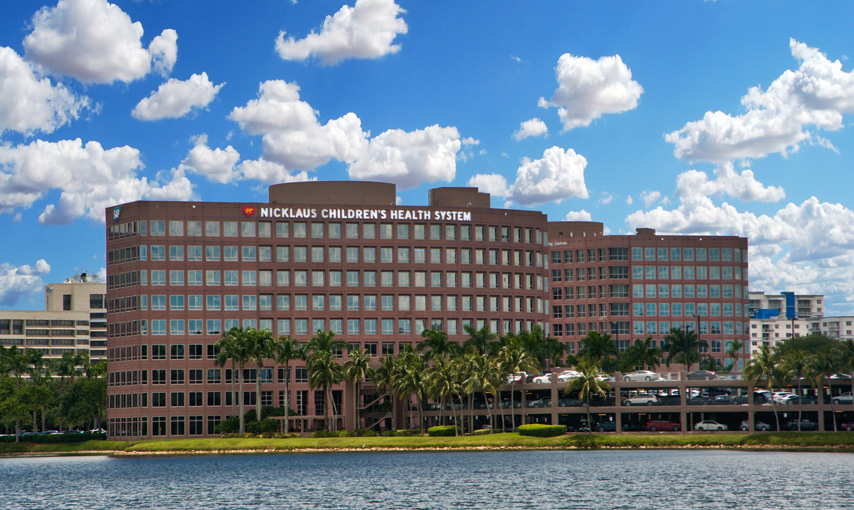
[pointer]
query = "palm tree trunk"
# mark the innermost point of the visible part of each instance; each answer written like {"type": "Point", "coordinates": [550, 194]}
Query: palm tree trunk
{"type": "Point", "coordinates": [326, 421]}
{"type": "Point", "coordinates": [287, 401]}
{"type": "Point", "coordinates": [513, 405]}
{"type": "Point", "coordinates": [240, 397]}
{"type": "Point", "coordinates": [258, 393]}
{"type": "Point", "coordinates": [488, 411]}
{"type": "Point", "coordinates": [356, 405]}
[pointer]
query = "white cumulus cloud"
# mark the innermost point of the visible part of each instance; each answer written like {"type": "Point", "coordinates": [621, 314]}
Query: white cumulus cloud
{"type": "Point", "coordinates": [29, 102]}
{"type": "Point", "coordinates": [557, 176]}
{"type": "Point", "coordinates": [96, 42]}
{"type": "Point", "coordinates": [177, 98]}
{"type": "Point", "coordinates": [366, 30]}
{"type": "Point", "coordinates": [18, 281]}
{"type": "Point", "coordinates": [581, 215]}
{"type": "Point", "coordinates": [743, 186]}
{"type": "Point", "coordinates": [293, 137]}
{"type": "Point", "coordinates": [494, 184]}
{"type": "Point", "coordinates": [216, 165]}
{"type": "Point", "coordinates": [530, 128]}
{"type": "Point", "coordinates": [817, 94]}
{"type": "Point", "coordinates": [408, 159]}
{"type": "Point", "coordinates": [89, 178]}
{"type": "Point", "coordinates": [650, 197]}
{"type": "Point", "coordinates": [588, 89]}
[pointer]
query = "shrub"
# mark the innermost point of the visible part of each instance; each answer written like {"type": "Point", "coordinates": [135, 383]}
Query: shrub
{"type": "Point", "coordinates": [443, 430]}
{"type": "Point", "coordinates": [72, 437]}
{"type": "Point", "coordinates": [267, 425]}
{"type": "Point", "coordinates": [324, 433]}
{"type": "Point", "coordinates": [407, 432]}
{"type": "Point", "coordinates": [540, 430]}
{"type": "Point", "coordinates": [481, 432]}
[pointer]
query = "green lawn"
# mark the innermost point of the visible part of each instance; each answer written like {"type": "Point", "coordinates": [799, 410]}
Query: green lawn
{"type": "Point", "coordinates": [837, 441]}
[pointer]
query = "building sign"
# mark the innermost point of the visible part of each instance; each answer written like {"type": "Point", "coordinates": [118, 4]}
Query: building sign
{"type": "Point", "coordinates": [363, 214]}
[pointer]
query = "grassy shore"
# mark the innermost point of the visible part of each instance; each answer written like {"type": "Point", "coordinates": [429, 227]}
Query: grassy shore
{"type": "Point", "coordinates": [800, 441]}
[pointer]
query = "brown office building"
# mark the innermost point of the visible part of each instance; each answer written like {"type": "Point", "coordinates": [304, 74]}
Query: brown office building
{"type": "Point", "coordinates": [342, 257]}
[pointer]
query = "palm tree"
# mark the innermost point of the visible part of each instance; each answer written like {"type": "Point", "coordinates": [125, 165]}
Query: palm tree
{"type": "Point", "coordinates": [436, 343]}
{"type": "Point", "coordinates": [442, 385]}
{"type": "Point", "coordinates": [410, 381]}
{"type": "Point", "coordinates": [846, 359]}
{"type": "Point", "coordinates": [385, 377]}
{"type": "Point", "coordinates": [15, 361]}
{"type": "Point", "coordinates": [482, 376]}
{"type": "Point", "coordinates": [323, 372]}
{"type": "Point", "coordinates": [288, 349]}
{"type": "Point", "coordinates": [641, 354]}
{"type": "Point", "coordinates": [513, 359]}
{"type": "Point", "coordinates": [323, 343]}
{"type": "Point", "coordinates": [260, 345]}
{"type": "Point", "coordinates": [478, 338]}
{"type": "Point", "coordinates": [357, 369]}
{"type": "Point", "coordinates": [733, 352]}
{"type": "Point", "coordinates": [793, 364]}
{"type": "Point", "coordinates": [763, 365]}
{"type": "Point", "coordinates": [683, 347]}
{"type": "Point", "coordinates": [233, 346]}
{"type": "Point", "coordinates": [599, 348]}
{"type": "Point", "coordinates": [588, 383]}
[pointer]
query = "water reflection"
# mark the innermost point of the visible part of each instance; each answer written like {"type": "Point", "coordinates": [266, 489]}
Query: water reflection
{"type": "Point", "coordinates": [654, 479]}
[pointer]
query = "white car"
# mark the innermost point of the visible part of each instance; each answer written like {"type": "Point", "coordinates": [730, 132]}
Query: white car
{"type": "Point", "coordinates": [780, 396]}
{"type": "Point", "coordinates": [517, 378]}
{"type": "Point", "coordinates": [641, 375]}
{"type": "Point", "coordinates": [845, 398]}
{"type": "Point", "coordinates": [567, 375]}
{"type": "Point", "coordinates": [641, 399]}
{"type": "Point", "coordinates": [543, 379]}
{"type": "Point", "coordinates": [709, 425]}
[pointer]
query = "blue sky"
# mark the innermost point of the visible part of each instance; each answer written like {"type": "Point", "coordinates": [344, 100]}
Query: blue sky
{"type": "Point", "coordinates": [690, 117]}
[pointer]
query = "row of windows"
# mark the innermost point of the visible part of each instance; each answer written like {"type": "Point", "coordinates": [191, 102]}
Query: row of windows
{"type": "Point", "coordinates": [330, 230]}
{"type": "Point", "coordinates": [649, 291]}
{"type": "Point", "coordinates": [649, 310]}
{"type": "Point", "coordinates": [580, 329]}
{"type": "Point", "coordinates": [641, 253]}
{"type": "Point", "coordinates": [323, 278]}
{"type": "Point", "coordinates": [332, 254]}
{"type": "Point", "coordinates": [649, 273]}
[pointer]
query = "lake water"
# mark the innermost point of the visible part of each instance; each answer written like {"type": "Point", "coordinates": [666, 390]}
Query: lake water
{"type": "Point", "coordinates": [541, 480]}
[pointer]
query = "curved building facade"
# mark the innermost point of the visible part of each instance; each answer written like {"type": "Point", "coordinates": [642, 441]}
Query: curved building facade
{"type": "Point", "coordinates": [332, 256]}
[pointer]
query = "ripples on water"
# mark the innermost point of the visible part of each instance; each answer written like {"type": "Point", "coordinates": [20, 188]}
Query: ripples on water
{"type": "Point", "coordinates": [541, 480]}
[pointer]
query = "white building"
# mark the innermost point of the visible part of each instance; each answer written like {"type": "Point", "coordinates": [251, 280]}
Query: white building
{"type": "Point", "coordinates": [74, 320]}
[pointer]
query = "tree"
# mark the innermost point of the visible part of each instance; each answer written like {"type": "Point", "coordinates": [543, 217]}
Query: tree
{"type": "Point", "coordinates": [683, 347]}
{"type": "Point", "coordinates": [409, 381]}
{"type": "Point", "coordinates": [588, 383]}
{"type": "Point", "coordinates": [356, 370]}
{"type": "Point", "coordinates": [482, 377]}
{"type": "Point", "coordinates": [599, 348]}
{"type": "Point", "coordinates": [288, 349]}
{"type": "Point", "coordinates": [846, 359]}
{"type": "Point", "coordinates": [323, 372]}
{"type": "Point", "coordinates": [641, 354]}
{"type": "Point", "coordinates": [385, 378]}
{"type": "Point", "coordinates": [321, 359]}
{"type": "Point", "coordinates": [733, 352]}
{"type": "Point", "coordinates": [763, 365]}
{"type": "Point", "coordinates": [793, 365]}
{"type": "Point", "coordinates": [233, 346]}
{"type": "Point", "coordinates": [443, 385]}
{"type": "Point", "coordinates": [818, 366]}
{"type": "Point", "coordinates": [513, 359]}
{"type": "Point", "coordinates": [478, 339]}
{"type": "Point", "coordinates": [15, 361]}
{"type": "Point", "coordinates": [436, 343]}
{"type": "Point", "coordinates": [259, 345]}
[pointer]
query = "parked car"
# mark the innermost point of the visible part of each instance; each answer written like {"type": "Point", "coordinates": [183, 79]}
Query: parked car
{"type": "Point", "coordinates": [542, 402]}
{"type": "Point", "coordinates": [780, 396]}
{"type": "Point", "coordinates": [699, 401]}
{"type": "Point", "coordinates": [632, 427]}
{"type": "Point", "coordinates": [849, 426]}
{"type": "Point", "coordinates": [517, 378]}
{"type": "Point", "coordinates": [641, 399]}
{"type": "Point", "coordinates": [845, 398]}
{"type": "Point", "coordinates": [805, 425]}
{"type": "Point", "coordinates": [758, 399]}
{"type": "Point", "coordinates": [567, 375]}
{"type": "Point", "coordinates": [722, 399]}
{"type": "Point", "coordinates": [701, 375]}
{"type": "Point", "coordinates": [569, 402]}
{"type": "Point", "coordinates": [641, 375]}
{"type": "Point", "coordinates": [709, 425]}
{"type": "Point", "coordinates": [796, 399]}
{"type": "Point", "coordinates": [757, 425]}
{"type": "Point", "coordinates": [543, 379]}
{"type": "Point", "coordinates": [654, 425]}
{"type": "Point", "coordinates": [606, 426]}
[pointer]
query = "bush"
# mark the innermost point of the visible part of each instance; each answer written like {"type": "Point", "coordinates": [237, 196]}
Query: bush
{"type": "Point", "coordinates": [265, 426]}
{"type": "Point", "coordinates": [72, 437]}
{"type": "Point", "coordinates": [443, 430]}
{"type": "Point", "coordinates": [540, 430]}
{"type": "Point", "coordinates": [324, 433]}
{"type": "Point", "coordinates": [407, 432]}
{"type": "Point", "coordinates": [481, 432]}
{"type": "Point", "coordinates": [364, 433]}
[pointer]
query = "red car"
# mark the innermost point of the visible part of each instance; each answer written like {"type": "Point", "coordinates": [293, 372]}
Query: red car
{"type": "Point", "coordinates": [654, 425]}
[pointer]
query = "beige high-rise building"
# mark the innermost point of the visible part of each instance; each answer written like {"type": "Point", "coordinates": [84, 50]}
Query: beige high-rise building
{"type": "Point", "coordinates": [74, 320]}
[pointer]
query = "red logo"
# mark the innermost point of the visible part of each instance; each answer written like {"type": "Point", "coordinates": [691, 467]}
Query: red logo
{"type": "Point", "coordinates": [248, 211]}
